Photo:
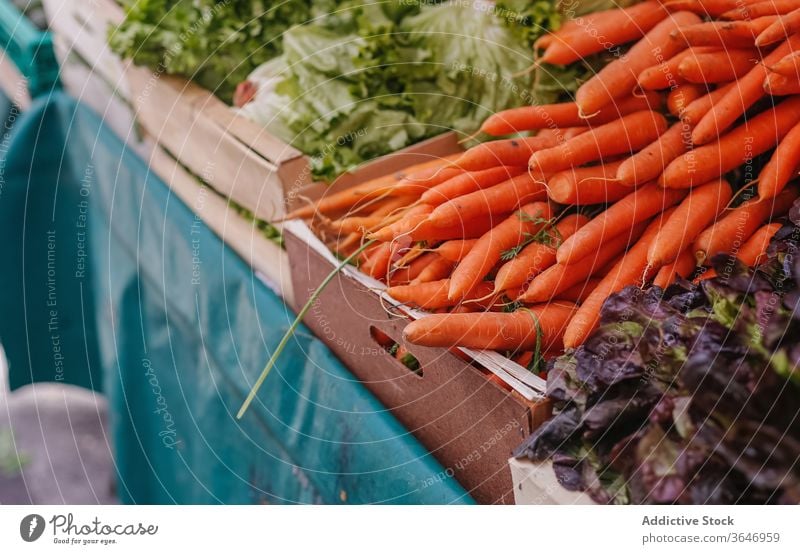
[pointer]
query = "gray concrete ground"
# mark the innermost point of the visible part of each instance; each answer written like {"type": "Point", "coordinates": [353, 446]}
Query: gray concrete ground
{"type": "Point", "coordinates": [53, 445]}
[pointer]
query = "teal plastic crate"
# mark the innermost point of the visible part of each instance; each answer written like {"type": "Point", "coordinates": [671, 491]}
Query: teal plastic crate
{"type": "Point", "coordinates": [30, 48]}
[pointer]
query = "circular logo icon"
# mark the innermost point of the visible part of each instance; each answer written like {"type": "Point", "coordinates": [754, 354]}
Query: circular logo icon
{"type": "Point", "coordinates": [31, 527]}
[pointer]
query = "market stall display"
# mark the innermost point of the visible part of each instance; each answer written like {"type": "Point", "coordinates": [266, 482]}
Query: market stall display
{"type": "Point", "coordinates": [678, 169]}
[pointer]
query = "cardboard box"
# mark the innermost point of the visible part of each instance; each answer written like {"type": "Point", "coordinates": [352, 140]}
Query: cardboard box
{"type": "Point", "coordinates": [467, 420]}
{"type": "Point", "coordinates": [535, 483]}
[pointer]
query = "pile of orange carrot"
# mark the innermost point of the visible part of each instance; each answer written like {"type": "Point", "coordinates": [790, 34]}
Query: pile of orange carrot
{"type": "Point", "coordinates": [515, 244]}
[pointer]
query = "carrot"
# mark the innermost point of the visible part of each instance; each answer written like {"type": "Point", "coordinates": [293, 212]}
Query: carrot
{"type": "Point", "coordinates": [411, 218]}
{"type": "Point", "coordinates": [632, 269]}
{"type": "Point", "coordinates": [788, 66]}
{"type": "Point", "coordinates": [587, 185]}
{"type": "Point", "coordinates": [696, 212]}
{"type": "Point", "coordinates": [781, 28]}
{"type": "Point", "coordinates": [665, 74]}
{"type": "Point", "coordinates": [754, 250]}
{"type": "Point", "coordinates": [433, 295]}
{"type": "Point", "coordinates": [760, 9]}
{"type": "Point", "coordinates": [727, 34]}
{"type": "Point", "coordinates": [435, 270]}
{"type": "Point", "coordinates": [682, 266]}
{"type": "Point", "coordinates": [468, 229]}
{"type": "Point", "coordinates": [509, 152]}
{"type": "Point", "coordinates": [490, 247]}
{"type": "Point", "coordinates": [520, 330]}
{"type": "Point", "coordinates": [781, 85]}
{"type": "Point", "coordinates": [604, 31]}
{"type": "Point", "coordinates": [560, 277]}
{"type": "Point", "coordinates": [627, 134]}
{"type": "Point", "coordinates": [501, 198]}
{"type": "Point", "coordinates": [421, 181]}
{"type": "Point", "coordinates": [455, 250]}
{"type": "Point", "coordinates": [578, 293]}
{"type": "Point", "coordinates": [469, 182]}
{"type": "Point", "coordinates": [750, 139]}
{"type": "Point", "coordinates": [356, 224]}
{"type": "Point", "coordinates": [376, 261]}
{"type": "Point", "coordinates": [739, 224]}
{"type": "Point", "coordinates": [712, 8]}
{"type": "Point", "coordinates": [639, 205]}
{"type": "Point", "coordinates": [647, 164]}
{"type": "Point", "coordinates": [681, 96]}
{"type": "Point", "coordinates": [567, 114]}
{"type": "Point", "coordinates": [695, 111]}
{"type": "Point", "coordinates": [537, 256]}
{"type": "Point", "coordinates": [407, 273]}
{"type": "Point", "coordinates": [718, 67]}
{"type": "Point", "coordinates": [560, 134]}
{"type": "Point", "coordinates": [619, 77]}
{"type": "Point", "coordinates": [782, 166]}
{"type": "Point", "coordinates": [742, 95]}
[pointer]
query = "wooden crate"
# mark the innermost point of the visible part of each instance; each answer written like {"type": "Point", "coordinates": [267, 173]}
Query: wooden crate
{"type": "Point", "coordinates": [238, 157]}
{"type": "Point", "coordinates": [266, 257]}
{"type": "Point", "coordinates": [465, 418]}
{"type": "Point", "coordinates": [81, 27]}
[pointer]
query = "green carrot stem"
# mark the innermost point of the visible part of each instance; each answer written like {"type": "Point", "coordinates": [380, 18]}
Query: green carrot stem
{"type": "Point", "coordinates": [293, 327]}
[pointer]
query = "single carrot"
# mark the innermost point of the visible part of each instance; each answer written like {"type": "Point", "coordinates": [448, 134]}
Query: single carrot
{"type": "Point", "coordinates": [713, 8]}
{"type": "Point", "coordinates": [632, 269]}
{"type": "Point", "coordinates": [501, 198]}
{"type": "Point", "coordinates": [619, 77]}
{"type": "Point", "coordinates": [627, 134]}
{"type": "Point", "coordinates": [560, 277]}
{"type": "Point", "coordinates": [780, 85]}
{"type": "Point", "coordinates": [455, 250]}
{"type": "Point", "coordinates": [376, 261]}
{"type": "Point", "coordinates": [720, 66]}
{"type": "Point", "coordinates": [521, 330]}
{"type": "Point", "coordinates": [604, 31]}
{"type": "Point", "coordinates": [578, 293]}
{"type": "Point", "coordinates": [681, 96]}
{"type": "Point", "coordinates": [587, 185]}
{"type": "Point", "coordinates": [727, 34]}
{"type": "Point", "coordinates": [432, 295]}
{"type": "Point", "coordinates": [410, 219]}
{"type": "Point", "coordinates": [760, 9]}
{"type": "Point", "coordinates": [695, 111]}
{"type": "Point", "coordinates": [436, 270]}
{"type": "Point", "coordinates": [782, 166]}
{"type": "Point", "coordinates": [490, 247]}
{"type": "Point", "coordinates": [647, 164]}
{"type": "Point", "coordinates": [420, 181]}
{"type": "Point", "coordinates": [682, 266]}
{"type": "Point", "coordinates": [356, 224]}
{"type": "Point", "coordinates": [469, 182]}
{"type": "Point", "coordinates": [750, 139]}
{"type": "Point", "coordinates": [409, 272]}
{"type": "Point", "coordinates": [783, 26]}
{"type": "Point", "coordinates": [665, 74]}
{"type": "Point", "coordinates": [788, 66]}
{"type": "Point", "coordinates": [696, 212]}
{"type": "Point", "coordinates": [743, 94]}
{"type": "Point", "coordinates": [468, 229]}
{"type": "Point", "coordinates": [754, 250]}
{"type": "Point", "coordinates": [536, 256]}
{"type": "Point", "coordinates": [739, 224]}
{"type": "Point", "coordinates": [567, 114]}
{"type": "Point", "coordinates": [506, 152]}
{"type": "Point", "coordinates": [620, 217]}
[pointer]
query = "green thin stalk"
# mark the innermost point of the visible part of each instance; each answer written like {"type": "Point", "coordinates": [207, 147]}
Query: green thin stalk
{"type": "Point", "coordinates": [293, 327]}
